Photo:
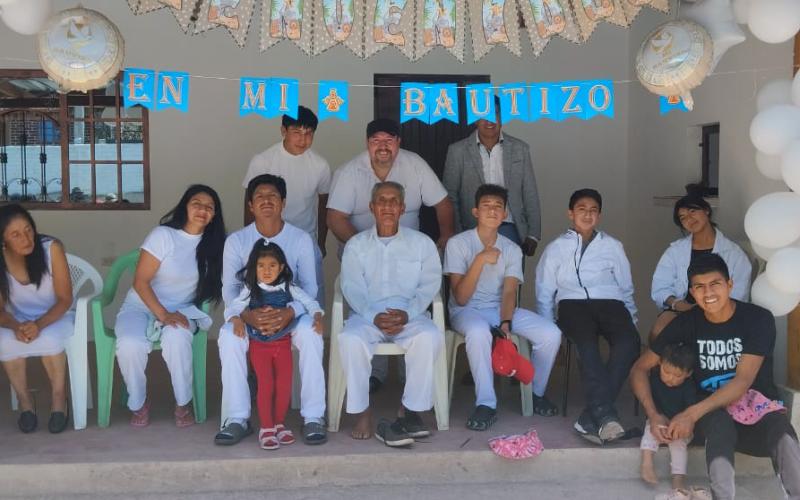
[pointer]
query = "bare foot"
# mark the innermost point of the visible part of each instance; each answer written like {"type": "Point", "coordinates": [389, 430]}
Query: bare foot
{"type": "Point", "coordinates": [363, 427]}
{"type": "Point", "coordinates": [648, 471]}
{"type": "Point", "coordinates": [678, 481]}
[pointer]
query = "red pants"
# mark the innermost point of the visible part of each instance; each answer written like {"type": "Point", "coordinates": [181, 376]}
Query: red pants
{"type": "Point", "coordinates": [272, 362]}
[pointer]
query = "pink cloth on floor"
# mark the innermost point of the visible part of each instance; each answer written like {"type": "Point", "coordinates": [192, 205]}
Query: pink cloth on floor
{"type": "Point", "coordinates": [517, 446]}
{"type": "Point", "coordinates": [752, 407]}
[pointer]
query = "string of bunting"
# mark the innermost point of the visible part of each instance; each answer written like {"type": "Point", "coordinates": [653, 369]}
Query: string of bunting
{"type": "Point", "coordinates": [414, 27]}
{"type": "Point", "coordinates": [428, 103]}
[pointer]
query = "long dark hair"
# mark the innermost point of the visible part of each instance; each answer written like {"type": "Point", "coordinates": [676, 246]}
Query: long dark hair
{"type": "Point", "coordinates": [35, 262]}
{"type": "Point", "coordinates": [262, 248]}
{"type": "Point", "coordinates": [692, 201]}
{"type": "Point", "coordinates": [209, 250]}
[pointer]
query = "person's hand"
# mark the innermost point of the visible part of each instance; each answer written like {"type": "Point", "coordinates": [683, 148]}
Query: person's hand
{"type": "Point", "coordinates": [238, 327]}
{"type": "Point", "coordinates": [276, 319]}
{"type": "Point", "coordinates": [529, 246]}
{"type": "Point", "coordinates": [318, 326]}
{"type": "Point", "coordinates": [505, 329]}
{"type": "Point", "coordinates": [26, 331]}
{"type": "Point", "coordinates": [659, 427]}
{"type": "Point", "coordinates": [489, 255]}
{"type": "Point", "coordinates": [175, 319]}
{"type": "Point", "coordinates": [681, 426]}
{"type": "Point", "coordinates": [391, 322]}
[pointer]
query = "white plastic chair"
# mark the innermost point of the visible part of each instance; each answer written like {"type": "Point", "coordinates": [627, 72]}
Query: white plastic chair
{"type": "Point", "coordinates": [525, 390]}
{"type": "Point", "coordinates": [82, 273]}
{"type": "Point", "coordinates": [337, 384]}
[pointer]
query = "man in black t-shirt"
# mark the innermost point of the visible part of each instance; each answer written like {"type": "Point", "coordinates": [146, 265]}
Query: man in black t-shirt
{"type": "Point", "coordinates": [734, 342]}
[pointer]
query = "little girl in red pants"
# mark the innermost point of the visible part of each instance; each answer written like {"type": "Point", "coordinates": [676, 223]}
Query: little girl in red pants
{"type": "Point", "coordinates": [268, 283]}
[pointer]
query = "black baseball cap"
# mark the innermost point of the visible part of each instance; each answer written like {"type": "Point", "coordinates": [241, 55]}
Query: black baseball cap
{"type": "Point", "coordinates": [386, 125]}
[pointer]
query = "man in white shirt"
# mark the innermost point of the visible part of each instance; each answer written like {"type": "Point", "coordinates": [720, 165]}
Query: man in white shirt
{"type": "Point", "coordinates": [308, 180]}
{"type": "Point", "coordinates": [267, 194]}
{"type": "Point", "coordinates": [349, 203]}
{"type": "Point", "coordinates": [491, 157]}
{"type": "Point", "coordinates": [390, 275]}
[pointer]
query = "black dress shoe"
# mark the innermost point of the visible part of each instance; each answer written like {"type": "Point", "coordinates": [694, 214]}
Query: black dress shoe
{"type": "Point", "coordinates": [27, 421]}
{"type": "Point", "coordinates": [57, 423]}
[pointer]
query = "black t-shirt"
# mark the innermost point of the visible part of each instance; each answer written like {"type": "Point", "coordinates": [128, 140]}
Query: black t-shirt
{"type": "Point", "coordinates": [671, 400]}
{"type": "Point", "coordinates": [751, 330]}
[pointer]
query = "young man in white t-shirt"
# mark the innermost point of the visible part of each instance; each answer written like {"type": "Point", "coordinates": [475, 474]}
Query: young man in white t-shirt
{"type": "Point", "coordinates": [485, 269]}
{"type": "Point", "coordinates": [308, 181]}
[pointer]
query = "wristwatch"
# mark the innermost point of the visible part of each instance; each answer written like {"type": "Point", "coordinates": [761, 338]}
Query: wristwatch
{"type": "Point", "coordinates": [506, 321]}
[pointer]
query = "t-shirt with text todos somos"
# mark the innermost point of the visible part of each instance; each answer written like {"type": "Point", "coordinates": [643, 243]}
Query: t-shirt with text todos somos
{"type": "Point", "coordinates": [751, 330]}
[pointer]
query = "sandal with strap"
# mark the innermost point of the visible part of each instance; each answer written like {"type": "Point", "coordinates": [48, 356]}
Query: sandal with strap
{"type": "Point", "coordinates": [183, 416]}
{"type": "Point", "coordinates": [285, 436]}
{"type": "Point", "coordinates": [482, 418]}
{"type": "Point", "coordinates": [542, 406]}
{"type": "Point", "coordinates": [267, 439]}
{"type": "Point", "coordinates": [141, 417]}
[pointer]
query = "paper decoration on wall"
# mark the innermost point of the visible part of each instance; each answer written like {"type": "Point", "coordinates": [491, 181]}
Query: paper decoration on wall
{"type": "Point", "coordinates": [494, 22]}
{"type": "Point", "coordinates": [144, 6]}
{"type": "Point", "coordinates": [480, 103]}
{"type": "Point", "coordinates": [333, 100]}
{"type": "Point", "coordinates": [547, 18]}
{"type": "Point", "coordinates": [389, 23]}
{"type": "Point", "coordinates": [590, 12]}
{"type": "Point", "coordinates": [671, 103]}
{"type": "Point", "coordinates": [442, 25]}
{"type": "Point", "coordinates": [633, 7]}
{"type": "Point", "coordinates": [268, 97]}
{"type": "Point", "coordinates": [513, 102]}
{"type": "Point", "coordinates": [675, 58]}
{"type": "Point", "coordinates": [184, 10]}
{"type": "Point", "coordinates": [286, 20]}
{"type": "Point", "coordinates": [234, 15]}
{"type": "Point", "coordinates": [339, 22]}
{"type": "Point", "coordinates": [138, 87]}
{"type": "Point", "coordinates": [80, 49]}
{"type": "Point", "coordinates": [442, 102]}
{"type": "Point", "coordinates": [414, 102]}
{"type": "Point", "coordinates": [172, 91]}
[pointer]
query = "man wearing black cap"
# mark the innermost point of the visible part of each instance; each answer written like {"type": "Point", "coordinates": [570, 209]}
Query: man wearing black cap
{"type": "Point", "coordinates": [348, 203]}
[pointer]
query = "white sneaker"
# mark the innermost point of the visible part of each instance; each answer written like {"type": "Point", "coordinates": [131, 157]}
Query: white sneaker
{"type": "Point", "coordinates": [675, 494]}
{"type": "Point", "coordinates": [700, 493]}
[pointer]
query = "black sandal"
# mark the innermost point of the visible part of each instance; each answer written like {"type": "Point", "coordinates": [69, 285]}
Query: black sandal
{"type": "Point", "coordinates": [232, 434]}
{"type": "Point", "coordinates": [27, 422]}
{"type": "Point", "coordinates": [482, 418]}
{"type": "Point", "coordinates": [58, 422]}
{"type": "Point", "coordinates": [542, 406]}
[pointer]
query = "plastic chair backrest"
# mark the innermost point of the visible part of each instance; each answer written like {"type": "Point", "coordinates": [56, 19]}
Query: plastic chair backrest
{"type": "Point", "coordinates": [123, 264]}
{"type": "Point", "coordinates": [83, 273]}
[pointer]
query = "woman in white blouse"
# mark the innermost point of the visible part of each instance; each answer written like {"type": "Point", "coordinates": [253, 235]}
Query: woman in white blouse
{"type": "Point", "coordinates": [180, 268]}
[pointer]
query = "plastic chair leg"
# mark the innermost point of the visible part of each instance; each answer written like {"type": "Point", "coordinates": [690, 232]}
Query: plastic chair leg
{"type": "Point", "coordinates": [337, 386]}
{"type": "Point", "coordinates": [567, 360]}
{"type": "Point", "coordinates": [525, 390]}
{"type": "Point", "coordinates": [296, 382]}
{"type": "Point", "coordinates": [199, 355]}
{"type": "Point", "coordinates": [441, 396]}
{"type": "Point", "coordinates": [104, 348]}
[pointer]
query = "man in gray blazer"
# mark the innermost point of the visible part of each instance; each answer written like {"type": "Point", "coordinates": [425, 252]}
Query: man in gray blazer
{"type": "Point", "coordinates": [491, 157]}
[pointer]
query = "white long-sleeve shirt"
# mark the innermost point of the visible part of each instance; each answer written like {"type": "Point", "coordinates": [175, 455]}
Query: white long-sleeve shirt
{"type": "Point", "coordinates": [402, 272]}
{"type": "Point", "coordinates": [242, 301]}
{"type": "Point", "coordinates": [602, 272]}
{"type": "Point", "coordinates": [296, 245]}
{"type": "Point", "coordinates": [670, 277]}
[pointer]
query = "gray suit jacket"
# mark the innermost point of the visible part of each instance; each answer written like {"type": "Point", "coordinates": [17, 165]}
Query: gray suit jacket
{"type": "Point", "coordinates": [463, 174]}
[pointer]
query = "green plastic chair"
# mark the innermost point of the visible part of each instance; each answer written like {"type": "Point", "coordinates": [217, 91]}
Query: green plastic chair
{"type": "Point", "coordinates": [105, 345]}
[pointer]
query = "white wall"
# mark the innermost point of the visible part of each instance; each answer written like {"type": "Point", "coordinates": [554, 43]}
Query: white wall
{"type": "Point", "coordinates": [630, 159]}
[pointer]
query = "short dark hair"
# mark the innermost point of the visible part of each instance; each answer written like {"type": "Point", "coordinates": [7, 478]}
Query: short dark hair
{"type": "Point", "coordinates": [707, 263]}
{"type": "Point", "coordinates": [586, 193]}
{"type": "Point", "coordinates": [680, 355]}
{"type": "Point", "coordinates": [491, 190]}
{"type": "Point", "coordinates": [691, 201]}
{"type": "Point", "coordinates": [273, 180]}
{"type": "Point", "coordinates": [305, 119]}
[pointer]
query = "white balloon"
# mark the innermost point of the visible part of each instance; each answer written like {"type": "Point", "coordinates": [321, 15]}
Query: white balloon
{"type": "Point", "coordinates": [740, 8]}
{"type": "Point", "coordinates": [796, 89]}
{"type": "Point", "coordinates": [773, 221]}
{"type": "Point", "coordinates": [774, 21]}
{"type": "Point", "coordinates": [790, 166]}
{"type": "Point", "coordinates": [769, 166]}
{"type": "Point", "coordinates": [26, 17]}
{"type": "Point", "coordinates": [783, 270]}
{"type": "Point", "coordinates": [765, 295]}
{"type": "Point", "coordinates": [7, 2]}
{"type": "Point", "coordinates": [766, 253]}
{"type": "Point", "coordinates": [774, 128]}
{"type": "Point", "coordinates": [717, 18]}
{"type": "Point", "coordinates": [774, 93]}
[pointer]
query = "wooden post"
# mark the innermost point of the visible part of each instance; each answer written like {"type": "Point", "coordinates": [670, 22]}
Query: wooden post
{"type": "Point", "coordinates": [793, 330]}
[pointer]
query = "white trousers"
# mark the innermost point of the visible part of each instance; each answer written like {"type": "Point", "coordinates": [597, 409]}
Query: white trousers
{"type": "Point", "coordinates": [133, 349]}
{"type": "Point", "coordinates": [678, 453]}
{"type": "Point", "coordinates": [474, 324]}
{"type": "Point", "coordinates": [422, 341]}
{"type": "Point", "coordinates": [233, 357]}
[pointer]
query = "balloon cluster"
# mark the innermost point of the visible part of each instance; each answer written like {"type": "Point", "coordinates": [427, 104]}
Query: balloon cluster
{"type": "Point", "coordinates": [26, 17]}
{"type": "Point", "coordinates": [773, 221]}
{"type": "Point", "coordinates": [771, 21]}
